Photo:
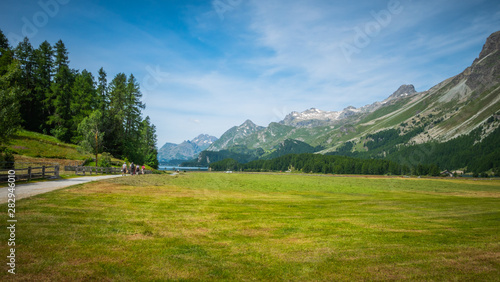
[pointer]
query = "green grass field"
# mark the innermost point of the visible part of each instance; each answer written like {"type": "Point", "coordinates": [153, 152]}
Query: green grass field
{"type": "Point", "coordinates": [214, 226]}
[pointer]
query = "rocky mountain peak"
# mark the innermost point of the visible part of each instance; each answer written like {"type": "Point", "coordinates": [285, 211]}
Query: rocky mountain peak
{"type": "Point", "coordinates": [403, 91]}
{"type": "Point", "coordinates": [248, 123]}
{"type": "Point", "coordinates": [485, 69]}
{"type": "Point", "coordinates": [204, 140]}
{"type": "Point", "coordinates": [234, 135]}
{"type": "Point", "coordinates": [248, 127]}
{"type": "Point", "coordinates": [312, 110]}
{"type": "Point", "coordinates": [492, 45]}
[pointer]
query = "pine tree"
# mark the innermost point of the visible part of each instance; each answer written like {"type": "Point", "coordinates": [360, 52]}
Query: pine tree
{"type": "Point", "coordinates": [59, 98]}
{"type": "Point", "coordinates": [133, 106]}
{"type": "Point", "coordinates": [10, 117]}
{"type": "Point", "coordinates": [103, 91]}
{"type": "Point", "coordinates": [43, 58]}
{"type": "Point", "coordinates": [83, 101]}
{"type": "Point", "coordinates": [149, 152]}
{"type": "Point", "coordinates": [132, 118]}
{"type": "Point", "coordinates": [61, 103]}
{"type": "Point", "coordinates": [114, 131]}
{"type": "Point", "coordinates": [61, 56]}
{"type": "Point", "coordinates": [24, 54]}
{"type": "Point", "coordinates": [4, 42]}
{"type": "Point", "coordinates": [6, 54]}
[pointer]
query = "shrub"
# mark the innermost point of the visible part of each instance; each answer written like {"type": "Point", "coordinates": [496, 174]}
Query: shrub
{"type": "Point", "coordinates": [105, 160]}
{"type": "Point", "coordinates": [88, 161]}
{"type": "Point", "coordinates": [6, 158]}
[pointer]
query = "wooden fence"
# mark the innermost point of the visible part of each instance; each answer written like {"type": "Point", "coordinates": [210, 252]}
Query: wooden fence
{"type": "Point", "coordinates": [82, 170]}
{"type": "Point", "coordinates": [30, 173]}
{"type": "Point", "coordinates": [96, 170]}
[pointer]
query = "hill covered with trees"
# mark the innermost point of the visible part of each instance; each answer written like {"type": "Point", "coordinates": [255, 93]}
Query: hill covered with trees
{"type": "Point", "coordinates": [40, 92]}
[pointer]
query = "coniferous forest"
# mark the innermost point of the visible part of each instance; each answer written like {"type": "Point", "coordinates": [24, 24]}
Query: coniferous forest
{"type": "Point", "coordinates": [315, 163]}
{"type": "Point", "coordinates": [40, 92]}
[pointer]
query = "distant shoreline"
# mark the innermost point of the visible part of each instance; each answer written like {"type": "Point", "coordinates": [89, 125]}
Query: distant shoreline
{"type": "Point", "coordinates": [173, 168]}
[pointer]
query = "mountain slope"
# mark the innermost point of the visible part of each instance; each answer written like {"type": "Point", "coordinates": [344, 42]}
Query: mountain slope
{"type": "Point", "coordinates": [290, 146]}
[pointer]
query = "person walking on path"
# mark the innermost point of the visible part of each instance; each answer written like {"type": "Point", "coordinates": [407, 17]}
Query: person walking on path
{"type": "Point", "coordinates": [132, 168]}
{"type": "Point", "coordinates": [124, 169]}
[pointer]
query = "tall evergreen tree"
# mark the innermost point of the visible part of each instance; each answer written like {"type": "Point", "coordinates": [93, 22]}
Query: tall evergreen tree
{"type": "Point", "coordinates": [148, 150]}
{"type": "Point", "coordinates": [24, 54]}
{"type": "Point", "coordinates": [44, 62]}
{"type": "Point", "coordinates": [10, 117]}
{"type": "Point", "coordinates": [59, 99]}
{"type": "Point", "coordinates": [133, 119]}
{"type": "Point", "coordinates": [114, 132]}
{"type": "Point", "coordinates": [61, 56]}
{"type": "Point", "coordinates": [83, 100]}
{"type": "Point", "coordinates": [6, 54]}
{"type": "Point", "coordinates": [4, 42]}
{"type": "Point", "coordinates": [103, 91]}
{"type": "Point", "coordinates": [133, 106]}
{"type": "Point", "coordinates": [61, 104]}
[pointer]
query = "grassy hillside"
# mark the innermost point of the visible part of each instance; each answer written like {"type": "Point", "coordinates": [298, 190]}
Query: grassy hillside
{"type": "Point", "coordinates": [238, 227]}
{"type": "Point", "coordinates": [32, 147]}
{"type": "Point", "coordinates": [37, 145]}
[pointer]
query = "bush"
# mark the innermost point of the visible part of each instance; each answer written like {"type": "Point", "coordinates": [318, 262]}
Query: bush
{"type": "Point", "coordinates": [88, 161]}
{"type": "Point", "coordinates": [496, 171]}
{"type": "Point", "coordinates": [6, 158]}
{"type": "Point", "coordinates": [152, 161]}
{"type": "Point", "coordinates": [104, 160]}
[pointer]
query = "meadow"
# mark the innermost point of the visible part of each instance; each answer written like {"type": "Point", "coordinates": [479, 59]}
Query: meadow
{"type": "Point", "coordinates": [216, 226]}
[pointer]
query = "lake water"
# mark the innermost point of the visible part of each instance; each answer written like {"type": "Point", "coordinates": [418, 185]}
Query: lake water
{"type": "Point", "coordinates": [181, 168]}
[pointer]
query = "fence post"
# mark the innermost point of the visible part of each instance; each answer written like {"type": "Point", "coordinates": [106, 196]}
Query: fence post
{"type": "Point", "coordinates": [29, 173]}
{"type": "Point", "coordinates": [43, 171]}
{"type": "Point", "coordinates": [56, 171]}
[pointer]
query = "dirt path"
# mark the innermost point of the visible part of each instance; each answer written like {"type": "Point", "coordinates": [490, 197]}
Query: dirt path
{"type": "Point", "coordinates": [31, 189]}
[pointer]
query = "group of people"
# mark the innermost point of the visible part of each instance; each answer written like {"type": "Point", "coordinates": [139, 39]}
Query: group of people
{"type": "Point", "coordinates": [133, 169]}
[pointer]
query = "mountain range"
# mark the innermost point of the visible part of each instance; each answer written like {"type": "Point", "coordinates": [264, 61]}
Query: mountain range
{"type": "Point", "coordinates": [464, 109]}
{"type": "Point", "coordinates": [187, 150]}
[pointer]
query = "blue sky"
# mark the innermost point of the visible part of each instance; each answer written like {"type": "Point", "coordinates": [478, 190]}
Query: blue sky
{"type": "Point", "coordinates": [205, 66]}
